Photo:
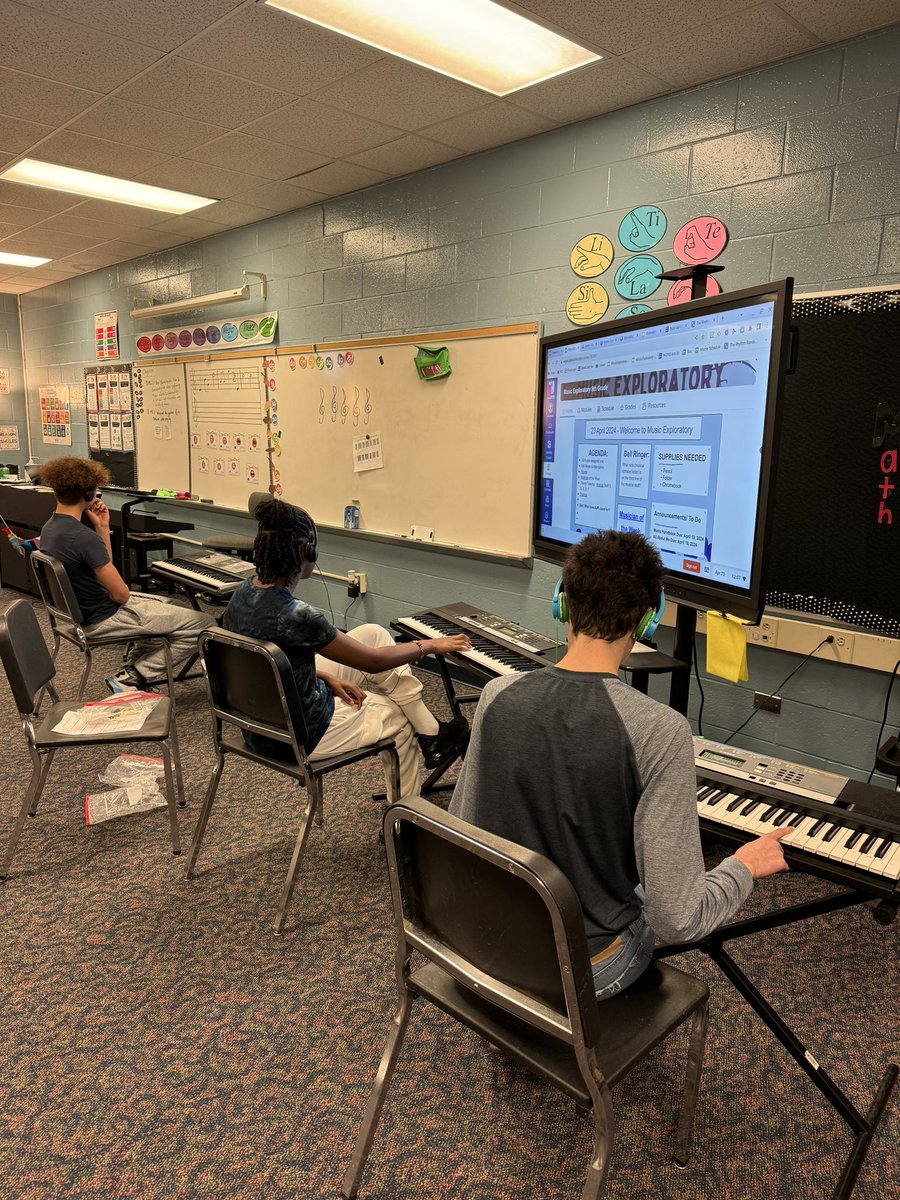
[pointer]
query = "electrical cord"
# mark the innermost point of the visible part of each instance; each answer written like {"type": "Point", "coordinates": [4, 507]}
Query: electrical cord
{"type": "Point", "coordinates": [327, 593]}
{"type": "Point", "coordinates": [826, 641]}
{"type": "Point", "coordinates": [699, 688]}
{"type": "Point", "coordinates": [346, 610]}
{"type": "Point", "coordinates": [887, 701]}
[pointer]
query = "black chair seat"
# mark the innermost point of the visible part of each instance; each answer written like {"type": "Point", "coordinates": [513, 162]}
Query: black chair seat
{"type": "Point", "coordinates": [633, 1022]}
{"type": "Point", "coordinates": [230, 543]}
{"type": "Point", "coordinates": [156, 726]}
{"type": "Point", "coordinates": [234, 743]}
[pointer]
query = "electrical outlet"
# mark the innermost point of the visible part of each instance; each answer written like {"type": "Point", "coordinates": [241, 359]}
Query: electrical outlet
{"type": "Point", "coordinates": [841, 648]}
{"type": "Point", "coordinates": [763, 634]}
{"type": "Point", "coordinates": [361, 580]}
{"type": "Point", "coordinates": [766, 702]}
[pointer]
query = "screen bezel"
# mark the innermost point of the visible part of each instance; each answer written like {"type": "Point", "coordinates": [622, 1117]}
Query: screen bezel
{"type": "Point", "coordinates": [705, 594]}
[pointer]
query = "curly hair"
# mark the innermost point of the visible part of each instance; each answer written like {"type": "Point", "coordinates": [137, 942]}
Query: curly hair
{"type": "Point", "coordinates": [73, 478]}
{"type": "Point", "coordinates": [285, 531]}
{"type": "Point", "coordinates": [611, 579]}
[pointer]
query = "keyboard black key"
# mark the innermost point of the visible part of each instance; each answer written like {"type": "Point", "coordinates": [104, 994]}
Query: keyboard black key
{"type": "Point", "coordinates": [853, 839]}
{"type": "Point", "coordinates": [833, 831]}
{"type": "Point", "coordinates": [866, 847]}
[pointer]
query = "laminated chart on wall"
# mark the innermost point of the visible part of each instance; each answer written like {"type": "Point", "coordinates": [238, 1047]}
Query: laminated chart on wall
{"type": "Point", "coordinates": [228, 407]}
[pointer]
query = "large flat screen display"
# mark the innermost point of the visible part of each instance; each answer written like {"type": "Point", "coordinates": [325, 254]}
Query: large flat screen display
{"type": "Point", "coordinates": [666, 424]}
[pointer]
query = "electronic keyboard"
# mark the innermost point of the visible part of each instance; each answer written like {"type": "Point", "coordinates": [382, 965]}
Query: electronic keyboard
{"type": "Point", "coordinates": [843, 831]}
{"type": "Point", "coordinates": [215, 575]}
{"type": "Point", "coordinates": [499, 647]}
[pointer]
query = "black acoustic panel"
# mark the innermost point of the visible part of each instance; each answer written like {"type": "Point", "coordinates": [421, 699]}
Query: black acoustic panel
{"type": "Point", "coordinates": [122, 466]}
{"type": "Point", "coordinates": [828, 551]}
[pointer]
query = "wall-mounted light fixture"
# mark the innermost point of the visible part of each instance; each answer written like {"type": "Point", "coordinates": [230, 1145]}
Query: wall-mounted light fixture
{"type": "Point", "coordinates": [171, 307]}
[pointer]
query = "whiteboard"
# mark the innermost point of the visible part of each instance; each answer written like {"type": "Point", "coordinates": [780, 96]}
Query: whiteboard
{"type": "Point", "coordinates": [226, 402]}
{"type": "Point", "coordinates": [458, 453]}
{"type": "Point", "coordinates": [161, 427]}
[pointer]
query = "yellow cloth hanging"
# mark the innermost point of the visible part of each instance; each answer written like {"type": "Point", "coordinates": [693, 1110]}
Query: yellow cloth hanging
{"type": "Point", "coordinates": [726, 647]}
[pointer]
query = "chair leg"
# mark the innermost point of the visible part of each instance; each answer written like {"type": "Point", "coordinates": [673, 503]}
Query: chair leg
{"type": "Point", "coordinates": [375, 1103]}
{"type": "Point", "coordinates": [40, 767]}
{"type": "Point", "coordinates": [85, 673]}
{"type": "Point", "coordinates": [696, 1051]}
{"type": "Point", "coordinates": [604, 1140]}
{"type": "Point", "coordinates": [176, 760]}
{"type": "Point", "coordinates": [391, 762]}
{"type": "Point", "coordinates": [314, 794]}
{"type": "Point", "coordinates": [204, 814]}
{"type": "Point", "coordinates": [168, 755]}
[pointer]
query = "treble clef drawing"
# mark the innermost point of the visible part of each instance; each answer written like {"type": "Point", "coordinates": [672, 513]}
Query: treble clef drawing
{"type": "Point", "coordinates": [356, 406]}
{"type": "Point", "coordinates": [367, 408]}
{"type": "Point", "coordinates": [321, 405]}
{"type": "Point", "coordinates": [344, 408]}
{"type": "Point", "coordinates": [334, 405]}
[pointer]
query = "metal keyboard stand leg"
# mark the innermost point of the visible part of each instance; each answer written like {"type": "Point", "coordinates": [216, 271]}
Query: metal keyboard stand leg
{"type": "Point", "coordinates": [863, 1126]}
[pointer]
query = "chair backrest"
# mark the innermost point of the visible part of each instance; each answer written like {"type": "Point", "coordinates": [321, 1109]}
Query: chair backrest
{"type": "Point", "coordinates": [56, 588]}
{"type": "Point", "coordinates": [251, 685]}
{"type": "Point", "coordinates": [493, 913]}
{"type": "Point", "coordinates": [24, 654]}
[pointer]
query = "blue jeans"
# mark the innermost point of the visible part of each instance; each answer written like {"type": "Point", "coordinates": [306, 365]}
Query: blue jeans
{"type": "Point", "coordinates": [625, 960]}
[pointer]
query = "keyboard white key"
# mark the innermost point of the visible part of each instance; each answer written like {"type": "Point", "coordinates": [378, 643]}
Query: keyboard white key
{"type": "Point", "coordinates": [486, 660]}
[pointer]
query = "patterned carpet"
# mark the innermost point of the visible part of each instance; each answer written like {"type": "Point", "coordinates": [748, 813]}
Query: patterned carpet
{"type": "Point", "coordinates": [158, 1043]}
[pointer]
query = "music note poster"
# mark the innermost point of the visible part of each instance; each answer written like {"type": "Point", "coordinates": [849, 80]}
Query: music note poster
{"type": "Point", "coordinates": [234, 427]}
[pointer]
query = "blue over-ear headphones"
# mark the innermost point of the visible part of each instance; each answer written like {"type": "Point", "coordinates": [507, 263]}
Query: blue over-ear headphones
{"type": "Point", "coordinates": [648, 625]}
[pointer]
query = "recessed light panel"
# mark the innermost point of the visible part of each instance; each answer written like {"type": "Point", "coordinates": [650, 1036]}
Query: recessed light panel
{"type": "Point", "coordinates": [21, 260]}
{"type": "Point", "coordinates": [475, 41]}
{"type": "Point", "coordinates": [102, 187]}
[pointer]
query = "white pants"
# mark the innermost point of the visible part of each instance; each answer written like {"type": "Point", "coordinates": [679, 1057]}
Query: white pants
{"type": "Point", "coordinates": [147, 616]}
{"type": "Point", "coordinates": [381, 715]}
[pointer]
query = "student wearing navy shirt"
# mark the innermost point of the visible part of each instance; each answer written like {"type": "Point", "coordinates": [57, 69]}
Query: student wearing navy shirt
{"type": "Point", "coordinates": [356, 687]}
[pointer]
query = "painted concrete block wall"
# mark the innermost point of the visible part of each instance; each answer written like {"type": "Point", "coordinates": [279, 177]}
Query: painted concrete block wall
{"type": "Point", "coordinates": [801, 161]}
{"type": "Point", "coordinates": [12, 404]}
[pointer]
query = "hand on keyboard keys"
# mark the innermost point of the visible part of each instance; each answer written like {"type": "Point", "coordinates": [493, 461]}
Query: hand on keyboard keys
{"type": "Point", "coordinates": [764, 856]}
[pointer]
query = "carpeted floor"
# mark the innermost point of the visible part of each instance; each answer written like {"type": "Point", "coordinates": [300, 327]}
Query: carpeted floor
{"type": "Point", "coordinates": [158, 1043]}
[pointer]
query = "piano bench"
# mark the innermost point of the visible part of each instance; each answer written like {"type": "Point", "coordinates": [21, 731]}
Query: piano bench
{"type": "Point", "coordinates": [142, 544]}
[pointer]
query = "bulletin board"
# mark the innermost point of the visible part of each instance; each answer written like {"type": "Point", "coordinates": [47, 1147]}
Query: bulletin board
{"type": "Point", "coordinates": [834, 544]}
{"type": "Point", "coordinates": [447, 460]}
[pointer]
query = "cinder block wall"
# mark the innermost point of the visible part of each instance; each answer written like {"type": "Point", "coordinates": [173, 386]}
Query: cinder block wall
{"type": "Point", "coordinates": [800, 160]}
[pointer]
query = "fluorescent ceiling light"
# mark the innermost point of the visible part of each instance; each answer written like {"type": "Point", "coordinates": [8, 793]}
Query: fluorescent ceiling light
{"type": "Point", "coordinates": [102, 187]}
{"type": "Point", "coordinates": [21, 260]}
{"type": "Point", "coordinates": [475, 41]}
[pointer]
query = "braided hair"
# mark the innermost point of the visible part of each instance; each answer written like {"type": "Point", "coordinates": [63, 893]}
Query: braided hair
{"type": "Point", "coordinates": [284, 533]}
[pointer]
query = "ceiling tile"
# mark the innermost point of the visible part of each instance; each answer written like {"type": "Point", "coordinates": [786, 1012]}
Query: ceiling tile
{"type": "Point", "coordinates": [256, 156]}
{"type": "Point", "coordinates": [97, 154]}
{"type": "Point", "coordinates": [51, 245]}
{"type": "Point", "coordinates": [16, 136]}
{"type": "Point", "coordinates": [161, 23]}
{"type": "Point", "coordinates": [185, 175]}
{"type": "Point", "coordinates": [402, 94]}
{"type": "Point", "coordinates": [598, 88]}
{"type": "Point", "coordinates": [494, 125]}
{"type": "Point", "coordinates": [22, 195]}
{"type": "Point", "coordinates": [28, 96]}
{"type": "Point", "coordinates": [280, 51]}
{"type": "Point", "coordinates": [118, 214]}
{"type": "Point", "coordinates": [73, 222]}
{"type": "Point", "coordinates": [280, 197]}
{"type": "Point", "coordinates": [150, 128]}
{"type": "Point", "coordinates": [189, 90]}
{"type": "Point", "coordinates": [7, 230]}
{"type": "Point", "coordinates": [192, 227]}
{"type": "Point", "coordinates": [615, 29]}
{"type": "Point", "coordinates": [67, 52]}
{"type": "Point", "coordinates": [322, 129]}
{"type": "Point", "coordinates": [12, 214]}
{"type": "Point", "coordinates": [338, 178]}
{"type": "Point", "coordinates": [406, 155]}
{"type": "Point", "coordinates": [745, 40]}
{"type": "Point", "coordinates": [834, 19]}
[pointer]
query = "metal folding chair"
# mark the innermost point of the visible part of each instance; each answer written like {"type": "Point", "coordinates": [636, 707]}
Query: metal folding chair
{"type": "Point", "coordinates": [502, 936]}
{"type": "Point", "coordinates": [252, 687]}
{"type": "Point", "coordinates": [30, 671]}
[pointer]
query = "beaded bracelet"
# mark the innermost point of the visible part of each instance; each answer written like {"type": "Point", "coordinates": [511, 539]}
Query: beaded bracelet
{"type": "Point", "coordinates": [422, 652]}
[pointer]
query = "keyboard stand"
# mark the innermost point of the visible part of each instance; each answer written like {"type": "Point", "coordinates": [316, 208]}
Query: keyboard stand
{"type": "Point", "coordinates": [862, 1125]}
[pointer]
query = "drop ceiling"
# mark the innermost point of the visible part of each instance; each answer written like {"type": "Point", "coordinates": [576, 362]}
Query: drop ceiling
{"type": "Point", "coordinates": [231, 99]}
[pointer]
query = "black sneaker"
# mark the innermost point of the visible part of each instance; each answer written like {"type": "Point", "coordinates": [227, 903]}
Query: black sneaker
{"type": "Point", "coordinates": [445, 745]}
{"type": "Point", "coordinates": [129, 679]}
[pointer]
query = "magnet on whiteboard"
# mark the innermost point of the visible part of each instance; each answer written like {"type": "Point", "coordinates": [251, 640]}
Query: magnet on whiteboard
{"type": "Point", "coordinates": [422, 533]}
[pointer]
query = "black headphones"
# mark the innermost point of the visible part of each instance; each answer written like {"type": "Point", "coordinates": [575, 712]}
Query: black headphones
{"type": "Point", "coordinates": [90, 495]}
{"type": "Point", "coordinates": [311, 549]}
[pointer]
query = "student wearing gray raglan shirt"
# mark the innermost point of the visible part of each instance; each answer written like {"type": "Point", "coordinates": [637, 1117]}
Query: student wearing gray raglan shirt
{"type": "Point", "coordinates": [573, 763]}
